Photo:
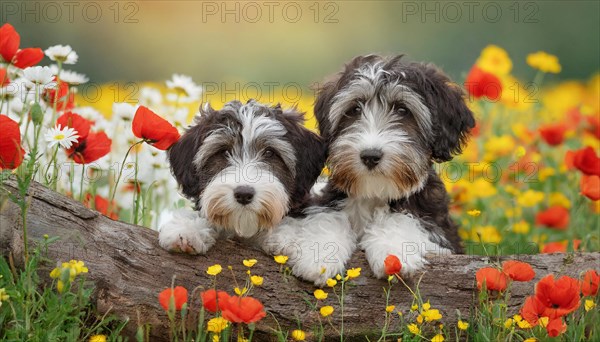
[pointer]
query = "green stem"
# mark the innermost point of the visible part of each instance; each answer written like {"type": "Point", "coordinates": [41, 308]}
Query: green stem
{"type": "Point", "coordinates": [81, 182]}
{"type": "Point", "coordinates": [114, 190]}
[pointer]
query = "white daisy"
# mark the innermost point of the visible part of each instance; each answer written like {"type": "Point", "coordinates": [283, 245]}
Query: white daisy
{"type": "Point", "coordinates": [62, 53]}
{"type": "Point", "coordinates": [123, 110]}
{"type": "Point", "coordinates": [63, 136]}
{"type": "Point", "coordinates": [39, 75]}
{"type": "Point", "coordinates": [150, 97]}
{"type": "Point", "coordinates": [186, 89]}
{"type": "Point", "coordinates": [73, 78]}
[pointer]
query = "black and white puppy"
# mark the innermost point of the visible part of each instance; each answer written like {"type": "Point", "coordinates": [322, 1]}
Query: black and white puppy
{"type": "Point", "coordinates": [386, 122]}
{"type": "Point", "coordinates": [245, 166]}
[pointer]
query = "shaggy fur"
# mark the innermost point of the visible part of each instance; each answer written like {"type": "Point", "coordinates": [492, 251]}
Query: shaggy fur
{"type": "Point", "coordinates": [245, 167]}
{"type": "Point", "coordinates": [385, 122]}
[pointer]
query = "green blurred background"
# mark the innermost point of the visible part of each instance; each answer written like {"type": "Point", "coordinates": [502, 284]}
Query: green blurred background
{"type": "Point", "coordinates": [273, 42]}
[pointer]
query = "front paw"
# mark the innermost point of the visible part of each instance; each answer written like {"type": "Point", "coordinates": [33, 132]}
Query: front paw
{"type": "Point", "coordinates": [186, 232]}
{"type": "Point", "coordinates": [316, 268]}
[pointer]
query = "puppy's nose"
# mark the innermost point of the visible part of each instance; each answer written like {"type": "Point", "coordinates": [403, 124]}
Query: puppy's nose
{"type": "Point", "coordinates": [244, 194]}
{"type": "Point", "coordinates": [371, 157]}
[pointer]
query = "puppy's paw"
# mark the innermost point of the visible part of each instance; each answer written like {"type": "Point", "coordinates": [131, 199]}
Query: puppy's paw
{"type": "Point", "coordinates": [403, 236]}
{"type": "Point", "coordinates": [186, 232]}
{"type": "Point", "coordinates": [318, 245]}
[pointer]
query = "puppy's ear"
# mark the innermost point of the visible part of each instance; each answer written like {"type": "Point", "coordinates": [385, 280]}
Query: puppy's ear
{"type": "Point", "coordinates": [310, 154]}
{"type": "Point", "coordinates": [331, 86]}
{"type": "Point", "coordinates": [181, 155]}
{"type": "Point", "coordinates": [452, 120]}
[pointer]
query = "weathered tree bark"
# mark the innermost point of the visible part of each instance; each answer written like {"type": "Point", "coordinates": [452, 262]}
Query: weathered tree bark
{"type": "Point", "coordinates": [129, 269]}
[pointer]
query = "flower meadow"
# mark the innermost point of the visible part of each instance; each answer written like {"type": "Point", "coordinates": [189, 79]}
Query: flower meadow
{"type": "Point", "coordinates": [528, 182]}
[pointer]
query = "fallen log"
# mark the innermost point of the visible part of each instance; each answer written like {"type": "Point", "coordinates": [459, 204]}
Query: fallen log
{"type": "Point", "coordinates": [129, 269]}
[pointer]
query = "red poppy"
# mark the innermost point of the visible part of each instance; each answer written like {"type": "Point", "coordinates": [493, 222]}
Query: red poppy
{"type": "Point", "coordinates": [517, 270]}
{"type": "Point", "coordinates": [4, 80]}
{"type": "Point", "coordinates": [243, 309]}
{"type": "Point", "coordinates": [392, 265]}
{"type": "Point", "coordinates": [11, 152]}
{"type": "Point", "coordinates": [556, 217]}
{"type": "Point", "coordinates": [10, 52]}
{"type": "Point", "coordinates": [594, 127]}
{"type": "Point", "coordinates": [560, 297]}
{"type": "Point", "coordinates": [179, 295]}
{"type": "Point", "coordinates": [64, 99]}
{"type": "Point", "coordinates": [553, 134]}
{"type": "Point", "coordinates": [559, 246]}
{"type": "Point", "coordinates": [147, 125]}
{"type": "Point", "coordinates": [480, 83]}
{"type": "Point", "coordinates": [569, 156]}
{"type": "Point", "coordinates": [94, 147]}
{"type": "Point", "coordinates": [556, 327]}
{"type": "Point", "coordinates": [101, 205]}
{"type": "Point", "coordinates": [210, 298]}
{"type": "Point", "coordinates": [494, 279]}
{"type": "Point", "coordinates": [587, 161]}
{"type": "Point", "coordinates": [590, 187]}
{"type": "Point", "coordinates": [589, 284]}
{"type": "Point", "coordinates": [533, 309]}
{"type": "Point", "coordinates": [77, 122]}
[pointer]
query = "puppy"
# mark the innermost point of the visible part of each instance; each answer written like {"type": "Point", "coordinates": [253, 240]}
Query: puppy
{"type": "Point", "coordinates": [385, 123]}
{"type": "Point", "coordinates": [245, 167]}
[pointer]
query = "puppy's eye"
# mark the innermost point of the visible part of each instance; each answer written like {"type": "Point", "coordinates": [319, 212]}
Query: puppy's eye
{"type": "Point", "coordinates": [354, 111]}
{"type": "Point", "coordinates": [400, 108]}
{"type": "Point", "coordinates": [268, 153]}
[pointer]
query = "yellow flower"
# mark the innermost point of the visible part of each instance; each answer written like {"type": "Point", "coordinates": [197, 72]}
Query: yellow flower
{"type": "Point", "coordinates": [353, 273]}
{"type": "Point", "coordinates": [331, 282]}
{"type": "Point", "coordinates": [390, 308]}
{"type": "Point", "coordinates": [98, 338]}
{"type": "Point", "coordinates": [432, 315]}
{"type": "Point", "coordinates": [298, 335]}
{"type": "Point", "coordinates": [545, 173]}
{"type": "Point", "coordinates": [544, 62]}
{"type": "Point", "coordinates": [438, 338]}
{"type": "Point", "coordinates": [60, 286]}
{"type": "Point", "coordinates": [256, 280]}
{"type": "Point", "coordinates": [544, 321]}
{"type": "Point", "coordinates": [497, 146]}
{"type": "Point", "coordinates": [413, 328]}
{"type": "Point", "coordinates": [474, 212]}
{"type": "Point", "coordinates": [508, 323]}
{"type": "Point", "coordinates": [523, 324]}
{"type": "Point", "coordinates": [426, 306]}
{"type": "Point", "coordinates": [521, 227]}
{"type": "Point", "coordinates": [325, 172]}
{"type": "Point", "coordinates": [462, 325]}
{"type": "Point", "coordinates": [530, 198]}
{"type": "Point", "coordinates": [216, 325]}
{"type": "Point", "coordinates": [3, 296]}
{"type": "Point", "coordinates": [517, 318]}
{"type": "Point", "coordinates": [216, 338]}
{"type": "Point", "coordinates": [320, 294]}
{"type": "Point", "coordinates": [420, 319]}
{"type": "Point", "coordinates": [55, 274]}
{"type": "Point", "coordinates": [520, 152]}
{"type": "Point", "coordinates": [326, 310]}
{"type": "Point", "coordinates": [557, 198]}
{"type": "Point", "coordinates": [495, 60]}
{"type": "Point", "coordinates": [589, 304]}
{"type": "Point", "coordinates": [249, 262]}
{"type": "Point", "coordinates": [531, 339]}
{"type": "Point", "coordinates": [281, 259]}
{"type": "Point", "coordinates": [338, 277]}
{"type": "Point", "coordinates": [486, 234]}
{"type": "Point", "coordinates": [242, 339]}
{"type": "Point", "coordinates": [323, 270]}
{"type": "Point", "coordinates": [214, 270]}
{"type": "Point", "coordinates": [239, 291]}
{"type": "Point", "coordinates": [414, 307]}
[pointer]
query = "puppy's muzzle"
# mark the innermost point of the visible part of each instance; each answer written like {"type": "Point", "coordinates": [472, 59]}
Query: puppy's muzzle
{"type": "Point", "coordinates": [244, 194]}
